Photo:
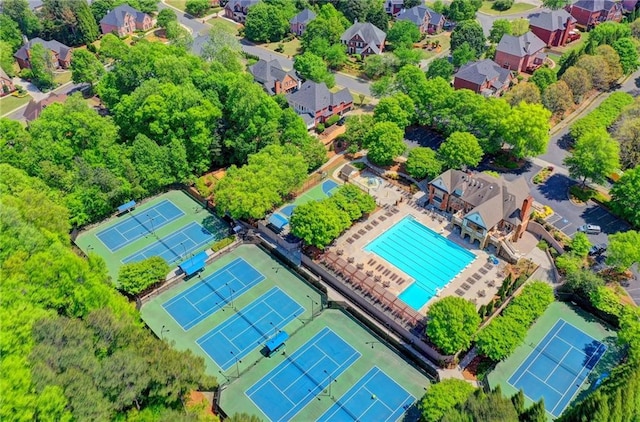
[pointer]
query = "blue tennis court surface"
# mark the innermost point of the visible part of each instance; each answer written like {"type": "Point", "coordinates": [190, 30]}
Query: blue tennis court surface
{"type": "Point", "coordinates": [212, 293]}
{"type": "Point", "coordinates": [288, 210]}
{"type": "Point", "coordinates": [250, 327]}
{"type": "Point", "coordinates": [558, 366]}
{"type": "Point", "coordinates": [376, 397]}
{"type": "Point", "coordinates": [328, 186]}
{"type": "Point", "coordinates": [177, 245]}
{"type": "Point", "coordinates": [139, 224]}
{"type": "Point", "coordinates": [290, 386]}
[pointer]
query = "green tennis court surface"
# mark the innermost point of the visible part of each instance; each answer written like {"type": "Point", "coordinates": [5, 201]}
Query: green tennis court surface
{"type": "Point", "coordinates": [171, 225]}
{"type": "Point", "coordinates": [564, 352]}
{"type": "Point", "coordinates": [280, 218]}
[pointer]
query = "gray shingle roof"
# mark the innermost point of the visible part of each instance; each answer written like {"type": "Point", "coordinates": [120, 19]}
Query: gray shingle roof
{"type": "Point", "coordinates": [594, 5]}
{"type": "Point", "coordinates": [416, 15]}
{"type": "Point", "coordinates": [524, 45]}
{"type": "Point", "coordinates": [367, 31]}
{"type": "Point", "coordinates": [63, 51]}
{"type": "Point", "coordinates": [267, 72]}
{"type": "Point", "coordinates": [315, 96]}
{"type": "Point", "coordinates": [240, 3]}
{"type": "Point", "coordinates": [482, 71]}
{"type": "Point", "coordinates": [116, 16]}
{"type": "Point", "coordinates": [552, 20]}
{"type": "Point", "coordinates": [305, 16]}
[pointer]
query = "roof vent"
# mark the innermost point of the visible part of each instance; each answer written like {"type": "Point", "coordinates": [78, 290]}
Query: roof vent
{"type": "Point", "coordinates": [491, 187]}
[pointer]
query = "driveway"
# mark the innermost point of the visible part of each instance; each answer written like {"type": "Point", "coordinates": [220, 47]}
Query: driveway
{"type": "Point", "coordinates": [68, 88]}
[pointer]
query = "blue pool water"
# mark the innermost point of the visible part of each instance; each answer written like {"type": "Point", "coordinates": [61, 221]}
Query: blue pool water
{"type": "Point", "coordinates": [430, 259]}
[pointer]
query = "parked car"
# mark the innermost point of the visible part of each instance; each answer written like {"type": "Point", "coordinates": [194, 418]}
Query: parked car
{"type": "Point", "coordinates": [590, 229]}
{"type": "Point", "coordinates": [597, 249]}
{"type": "Point", "coordinates": [342, 120]}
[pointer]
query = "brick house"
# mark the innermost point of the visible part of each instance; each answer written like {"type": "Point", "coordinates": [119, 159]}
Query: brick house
{"type": "Point", "coordinates": [520, 54]}
{"type": "Point", "coordinates": [34, 108]}
{"type": "Point", "coordinates": [485, 209]}
{"type": "Point", "coordinates": [316, 104]}
{"type": "Point", "coordinates": [61, 54]}
{"type": "Point", "coordinates": [555, 27]}
{"type": "Point", "coordinates": [363, 38]}
{"type": "Point", "coordinates": [299, 22]}
{"type": "Point", "coordinates": [125, 20]}
{"type": "Point", "coordinates": [427, 20]}
{"type": "Point", "coordinates": [6, 84]}
{"type": "Point", "coordinates": [484, 77]}
{"type": "Point", "coordinates": [589, 13]}
{"type": "Point", "coordinates": [393, 7]}
{"type": "Point", "coordinates": [273, 78]}
{"type": "Point", "coordinates": [237, 10]}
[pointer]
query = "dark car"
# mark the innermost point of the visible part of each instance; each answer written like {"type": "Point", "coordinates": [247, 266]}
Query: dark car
{"type": "Point", "coordinates": [597, 249]}
{"type": "Point", "coordinates": [341, 121]}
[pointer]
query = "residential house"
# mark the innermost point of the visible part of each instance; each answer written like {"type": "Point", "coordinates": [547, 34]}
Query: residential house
{"type": "Point", "coordinates": [589, 13]}
{"type": "Point", "coordinates": [237, 10]}
{"type": "Point", "coordinates": [629, 6]}
{"type": "Point", "coordinates": [427, 20]}
{"type": "Point", "coordinates": [273, 78]}
{"type": "Point", "coordinates": [520, 54]}
{"type": "Point", "coordinates": [393, 7]}
{"type": "Point", "coordinates": [34, 108]}
{"type": "Point", "coordinates": [6, 84]}
{"type": "Point", "coordinates": [61, 54]}
{"type": "Point", "coordinates": [299, 22]}
{"type": "Point", "coordinates": [363, 38]}
{"type": "Point", "coordinates": [316, 104]}
{"type": "Point", "coordinates": [125, 20]}
{"type": "Point", "coordinates": [555, 27]}
{"type": "Point", "coordinates": [484, 77]}
{"type": "Point", "coordinates": [485, 209]}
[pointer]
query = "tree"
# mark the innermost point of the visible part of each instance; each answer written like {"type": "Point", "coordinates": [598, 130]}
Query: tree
{"type": "Point", "coordinates": [624, 249]}
{"type": "Point", "coordinates": [86, 22]}
{"type": "Point", "coordinates": [611, 57]}
{"type": "Point", "coordinates": [626, 196]}
{"type": "Point", "coordinates": [165, 16]}
{"type": "Point", "coordinates": [635, 28]}
{"type": "Point", "coordinates": [443, 396]}
{"type": "Point", "coordinates": [6, 59]}
{"type": "Point", "coordinates": [328, 26]}
{"type": "Point", "coordinates": [358, 128]}
{"type": "Point", "coordinates": [384, 142]}
{"type": "Point", "coordinates": [136, 277]}
{"type": "Point", "coordinates": [460, 150]}
{"type": "Point", "coordinates": [377, 65]}
{"type": "Point", "coordinates": [423, 162]}
{"type": "Point", "coordinates": [403, 34]}
{"type": "Point", "coordinates": [197, 8]}
{"type": "Point", "coordinates": [578, 81]}
{"type": "Point", "coordinates": [461, 10]}
{"type": "Point", "coordinates": [266, 22]}
{"type": "Point", "coordinates": [451, 324]}
{"type": "Point", "coordinates": [471, 32]}
{"type": "Point", "coordinates": [526, 129]}
{"type": "Point", "coordinates": [523, 92]}
{"type": "Point", "coordinates": [85, 67]}
{"type": "Point", "coordinates": [407, 56]}
{"type": "Point", "coordinates": [70, 22]}
{"type": "Point", "coordinates": [499, 28]}
{"type": "Point", "coordinates": [463, 55]}
{"type": "Point", "coordinates": [41, 67]}
{"type": "Point", "coordinates": [580, 245]}
{"type": "Point", "coordinates": [10, 33]}
{"type": "Point", "coordinates": [376, 15]}
{"type": "Point", "coordinates": [21, 13]}
{"type": "Point", "coordinates": [598, 71]}
{"type": "Point", "coordinates": [628, 52]}
{"type": "Point", "coordinates": [555, 4]}
{"type": "Point", "coordinates": [336, 56]}
{"type": "Point", "coordinates": [519, 26]}
{"type": "Point", "coordinates": [628, 134]}
{"type": "Point", "coordinates": [557, 97]}
{"type": "Point", "coordinates": [310, 66]}
{"type": "Point", "coordinates": [398, 108]}
{"type": "Point", "coordinates": [318, 223]}
{"type": "Point", "coordinates": [595, 156]}
{"type": "Point", "coordinates": [543, 77]}
{"type": "Point", "coordinates": [440, 67]}
{"type": "Point", "coordinates": [500, 338]}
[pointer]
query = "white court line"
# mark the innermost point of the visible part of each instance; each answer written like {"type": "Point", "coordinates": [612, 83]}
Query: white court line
{"type": "Point", "coordinates": [558, 362]}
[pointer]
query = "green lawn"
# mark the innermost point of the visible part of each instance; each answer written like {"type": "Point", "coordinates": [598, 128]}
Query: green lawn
{"type": "Point", "coordinates": [225, 24]}
{"type": "Point", "coordinates": [10, 103]}
{"type": "Point", "coordinates": [445, 44]}
{"type": "Point", "coordinates": [178, 4]}
{"type": "Point", "coordinates": [517, 8]}
{"type": "Point", "coordinates": [62, 78]}
{"type": "Point", "coordinates": [291, 48]}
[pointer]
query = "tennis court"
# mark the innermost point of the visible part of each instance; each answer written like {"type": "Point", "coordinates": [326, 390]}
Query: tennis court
{"type": "Point", "coordinates": [296, 381]}
{"type": "Point", "coordinates": [138, 224]}
{"type": "Point", "coordinates": [375, 397]}
{"type": "Point", "coordinates": [280, 218]}
{"type": "Point", "coordinates": [250, 327]}
{"type": "Point", "coordinates": [212, 293]}
{"type": "Point", "coordinates": [177, 245]}
{"type": "Point", "coordinates": [556, 368]}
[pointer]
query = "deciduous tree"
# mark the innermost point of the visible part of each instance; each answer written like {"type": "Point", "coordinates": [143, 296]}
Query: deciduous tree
{"type": "Point", "coordinates": [403, 34]}
{"type": "Point", "coordinates": [384, 143]}
{"type": "Point", "coordinates": [526, 129]}
{"type": "Point", "coordinates": [266, 22]}
{"type": "Point", "coordinates": [499, 28]}
{"type": "Point", "coordinates": [443, 396]}
{"type": "Point", "coordinates": [557, 97]}
{"type": "Point", "coordinates": [423, 162]}
{"type": "Point", "coordinates": [165, 16]}
{"type": "Point", "coordinates": [85, 67]}
{"type": "Point", "coordinates": [460, 150]}
{"type": "Point", "coordinates": [626, 196]}
{"type": "Point", "coordinates": [398, 108]}
{"type": "Point", "coordinates": [440, 67]}
{"type": "Point", "coordinates": [595, 156]}
{"type": "Point", "coordinates": [451, 324]}
{"type": "Point", "coordinates": [628, 53]}
{"type": "Point", "coordinates": [461, 10]}
{"type": "Point", "coordinates": [462, 55]}
{"type": "Point", "coordinates": [313, 67]}
{"type": "Point", "coordinates": [580, 244]}
{"type": "Point", "coordinates": [136, 277]}
{"type": "Point", "coordinates": [471, 32]}
{"type": "Point", "coordinates": [523, 92]}
{"type": "Point", "coordinates": [543, 77]}
{"type": "Point", "coordinates": [578, 81]}
{"type": "Point", "coordinates": [555, 4]}
{"type": "Point", "coordinates": [197, 8]}
{"type": "Point", "coordinates": [20, 11]}
{"type": "Point", "coordinates": [624, 249]}
{"type": "Point", "coordinates": [10, 33]}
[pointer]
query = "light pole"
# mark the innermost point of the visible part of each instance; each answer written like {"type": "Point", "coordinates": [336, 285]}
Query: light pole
{"type": "Point", "coordinates": [275, 328]}
{"type": "Point", "coordinates": [162, 331]}
{"type": "Point", "coordinates": [372, 343]}
{"type": "Point", "coordinates": [184, 249]}
{"type": "Point", "coordinates": [313, 302]}
{"type": "Point", "coordinates": [231, 292]}
{"type": "Point", "coordinates": [226, 378]}
{"type": "Point", "coordinates": [276, 269]}
{"type": "Point", "coordinates": [153, 230]}
{"type": "Point", "coordinates": [331, 381]}
{"type": "Point", "coordinates": [238, 361]}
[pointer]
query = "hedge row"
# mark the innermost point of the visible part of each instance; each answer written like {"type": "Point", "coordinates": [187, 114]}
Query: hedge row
{"type": "Point", "coordinates": [603, 116]}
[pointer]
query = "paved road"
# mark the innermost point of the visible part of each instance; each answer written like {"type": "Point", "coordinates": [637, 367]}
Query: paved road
{"type": "Point", "coordinates": [486, 21]}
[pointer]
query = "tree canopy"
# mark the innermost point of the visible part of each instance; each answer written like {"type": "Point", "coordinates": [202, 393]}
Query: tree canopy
{"type": "Point", "coordinates": [626, 196]}
{"type": "Point", "coordinates": [460, 150]}
{"type": "Point", "coordinates": [442, 397]}
{"type": "Point", "coordinates": [451, 324]}
{"type": "Point", "coordinates": [423, 162]}
{"type": "Point", "coordinates": [624, 249]}
{"type": "Point", "coordinates": [136, 277]}
{"type": "Point", "coordinates": [384, 142]}
{"type": "Point", "coordinates": [594, 157]}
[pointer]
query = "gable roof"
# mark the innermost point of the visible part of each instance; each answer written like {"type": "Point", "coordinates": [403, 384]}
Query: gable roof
{"type": "Point", "coordinates": [305, 16]}
{"type": "Point", "coordinates": [63, 51]}
{"type": "Point", "coordinates": [3, 74]}
{"type": "Point", "coordinates": [367, 31]}
{"type": "Point", "coordinates": [315, 96]}
{"type": "Point", "coordinates": [34, 108]}
{"type": "Point", "coordinates": [524, 45]}
{"type": "Point", "coordinates": [417, 14]}
{"type": "Point", "coordinates": [267, 72]}
{"type": "Point", "coordinates": [232, 4]}
{"type": "Point", "coordinates": [483, 71]}
{"type": "Point", "coordinates": [594, 5]}
{"type": "Point", "coordinates": [552, 20]}
{"type": "Point", "coordinates": [116, 17]}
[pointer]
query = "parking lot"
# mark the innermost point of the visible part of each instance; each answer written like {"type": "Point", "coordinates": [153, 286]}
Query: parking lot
{"type": "Point", "coordinates": [589, 214]}
{"type": "Point", "coordinates": [416, 136]}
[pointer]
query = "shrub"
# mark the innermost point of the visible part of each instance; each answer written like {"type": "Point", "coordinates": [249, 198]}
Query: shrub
{"type": "Point", "coordinates": [320, 128]}
{"type": "Point", "coordinates": [603, 116]}
{"type": "Point", "coordinates": [222, 243]}
{"type": "Point", "coordinates": [136, 277]}
{"type": "Point", "coordinates": [332, 120]}
{"type": "Point", "coordinates": [502, 5]}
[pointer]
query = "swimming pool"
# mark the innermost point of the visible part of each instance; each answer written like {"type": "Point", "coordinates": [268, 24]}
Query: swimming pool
{"type": "Point", "coordinates": [430, 259]}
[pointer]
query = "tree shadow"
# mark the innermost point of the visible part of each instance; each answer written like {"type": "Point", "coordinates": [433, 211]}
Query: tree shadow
{"type": "Point", "coordinates": [565, 142]}
{"type": "Point", "coordinates": [214, 225]}
{"type": "Point", "coordinates": [555, 188]}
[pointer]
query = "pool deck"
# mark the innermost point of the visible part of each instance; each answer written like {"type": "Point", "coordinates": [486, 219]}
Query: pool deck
{"type": "Point", "coordinates": [476, 282]}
